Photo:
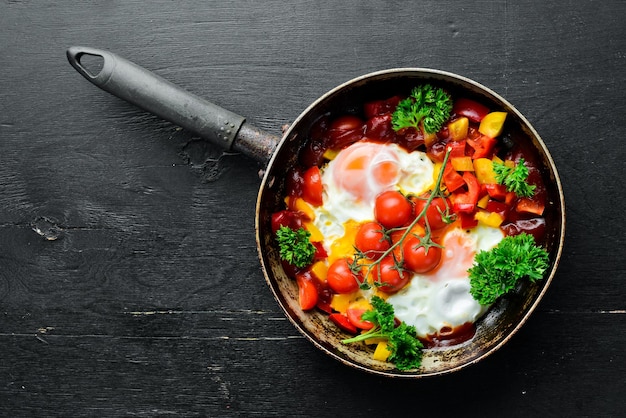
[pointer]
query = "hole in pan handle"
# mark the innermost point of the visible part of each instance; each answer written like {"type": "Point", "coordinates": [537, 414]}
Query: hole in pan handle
{"type": "Point", "coordinates": [154, 94]}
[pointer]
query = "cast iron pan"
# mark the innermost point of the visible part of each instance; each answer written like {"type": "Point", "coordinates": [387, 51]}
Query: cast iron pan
{"type": "Point", "coordinates": [158, 96]}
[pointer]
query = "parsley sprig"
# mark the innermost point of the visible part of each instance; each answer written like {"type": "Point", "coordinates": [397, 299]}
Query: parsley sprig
{"type": "Point", "coordinates": [498, 270]}
{"type": "Point", "coordinates": [514, 178]}
{"type": "Point", "coordinates": [402, 341]}
{"type": "Point", "coordinates": [427, 105]}
{"type": "Point", "coordinates": [295, 246]}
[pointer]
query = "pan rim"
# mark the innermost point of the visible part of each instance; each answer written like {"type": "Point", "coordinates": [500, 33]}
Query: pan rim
{"type": "Point", "coordinates": [416, 71]}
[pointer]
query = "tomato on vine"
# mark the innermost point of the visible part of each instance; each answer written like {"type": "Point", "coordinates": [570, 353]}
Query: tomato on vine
{"type": "Point", "coordinates": [388, 276]}
{"type": "Point", "coordinates": [392, 209]}
{"type": "Point", "coordinates": [436, 213]}
{"type": "Point", "coordinates": [371, 240]}
{"type": "Point", "coordinates": [420, 257]}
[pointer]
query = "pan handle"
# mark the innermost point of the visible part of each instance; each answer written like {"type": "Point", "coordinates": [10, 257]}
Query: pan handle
{"type": "Point", "coordinates": [156, 95]}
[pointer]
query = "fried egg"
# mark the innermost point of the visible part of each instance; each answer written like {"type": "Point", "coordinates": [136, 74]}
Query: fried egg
{"type": "Point", "coordinates": [361, 172]}
{"type": "Point", "coordinates": [441, 299]}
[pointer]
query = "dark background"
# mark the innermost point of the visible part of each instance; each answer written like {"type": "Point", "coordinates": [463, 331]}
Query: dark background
{"type": "Point", "coordinates": [129, 279]}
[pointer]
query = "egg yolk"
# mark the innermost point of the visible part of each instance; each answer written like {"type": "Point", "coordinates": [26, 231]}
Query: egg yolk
{"type": "Point", "coordinates": [456, 258]}
{"type": "Point", "coordinates": [365, 169]}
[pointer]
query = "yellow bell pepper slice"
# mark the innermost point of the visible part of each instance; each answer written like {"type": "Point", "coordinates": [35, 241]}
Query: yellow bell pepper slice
{"type": "Point", "coordinates": [341, 301]}
{"type": "Point", "coordinates": [462, 163]}
{"type": "Point", "coordinates": [304, 207]}
{"type": "Point", "coordinates": [330, 154]}
{"type": "Point", "coordinates": [458, 129]}
{"type": "Point", "coordinates": [320, 269]}
{"type": "Point", "coordinates": [381, 352]}
{"type": "Point", "coordinates": [483, 169]}
{"type": "Point", "coordinates": [491, 219]}
{"type": "Point", "coordinates": [492, 124]}
{"type": "Point", "coordinates": [316, 234]}
{"type": "Point", "coordinates": [482, 203]}
{"type": "Point", "coordinates": [429, 139]}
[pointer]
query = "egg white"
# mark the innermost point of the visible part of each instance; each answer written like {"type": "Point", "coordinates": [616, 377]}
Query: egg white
{"type": "Point", "coordinates": [431, 302]}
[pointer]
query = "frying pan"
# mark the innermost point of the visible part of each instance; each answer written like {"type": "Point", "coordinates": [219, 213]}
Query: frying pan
{"type": "Point", "coordinates": [229, 130]}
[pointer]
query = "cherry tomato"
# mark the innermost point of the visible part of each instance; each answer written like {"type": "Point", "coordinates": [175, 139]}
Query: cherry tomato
{"type": "Point", "coordinates": [397, 235]}
{"type": "Point", "coordinates": [354, 315]}
{"type": "Point", "coordinates": [389, 277]}
{"type": "Point", "coordinates": [392, 209]}
{"type": "Point", "coordinates": [324, 296]}
{"type": "Point", "coordinates": [434, 214]}
{"type": "Point", "coordinates": [294, 182]}
{"type": "Point", "coordinates": [307, 292]}
{"type": "Point", "coordinates": [344, 131]}
{"type": "Point", "coordinates": [474, 111]}
{"type": "Point", "coordinates": [289, 218]}
{"type": "Point", "coordinates": [340, 278]}
{"type": "Point", "coordinates": [371, 240]}
{"type": "Point", "coordinates": [313, 152]}
{"type": "Point", "coordinates": [379, 128]}
{"type": "Point", "coordinates": [417, 258]}
{"type": "Point", "coordinates": [312, 186]}
{"type": "Point", "coordinates": [380, 107]}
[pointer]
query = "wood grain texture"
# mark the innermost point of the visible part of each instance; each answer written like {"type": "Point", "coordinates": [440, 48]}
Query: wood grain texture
{"type": "Point", "coordinates": [129, 279]}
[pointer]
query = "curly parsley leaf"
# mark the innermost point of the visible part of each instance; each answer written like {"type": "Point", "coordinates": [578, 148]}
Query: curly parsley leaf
{"type": "Point", "coordinates": [295, 246]}
{"type": "Point", "coordinates": [405, 347]}
{"type": "Point", "coordinates": [514, 178]}
{"type": "Point", "coordinates": [426, 104]}
{"type": "Point", "coordinates": [498, 270]}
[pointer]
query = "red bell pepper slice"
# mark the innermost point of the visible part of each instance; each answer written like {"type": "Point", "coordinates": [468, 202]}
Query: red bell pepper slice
{"type": "Point", "coordinates": [457, 148]}
{"type": "Point", "coordinates": [466, 202]}
{"type": "Point", "coordinates": [496, 191]}
{"type": "Point", "coordinates": [500, 208]}
{"type": "Point", "coordinates": [320, 251]}
{"type": "Point", "coordinates": [483, 146]}
{"type": "Point", "coordinates": [467, 220]}
{"type": "Point", "coordinates": [528, 205]}
{"type": "Point", "coordinates": [451, 178]}
{"type": "Point", "coordinates": [342, 322]}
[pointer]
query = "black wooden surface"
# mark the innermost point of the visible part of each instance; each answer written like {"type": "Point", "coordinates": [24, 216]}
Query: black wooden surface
{"type": "Point", "coordinates": [129, 279]}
